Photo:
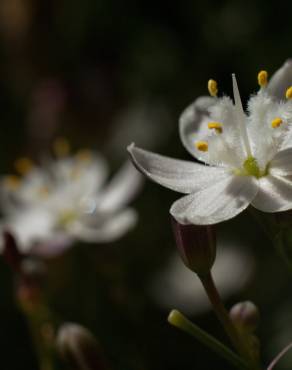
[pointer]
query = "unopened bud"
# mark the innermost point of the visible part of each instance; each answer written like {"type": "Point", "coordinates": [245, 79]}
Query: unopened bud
{"type": "Point", "coordinates": [196, 245]}
{"type": "Point", "coordinates": [79, 349]}
{"type": "Point", "coordinates": [11, 252]}
{"type": "Point", "coordinates": [245, 316]}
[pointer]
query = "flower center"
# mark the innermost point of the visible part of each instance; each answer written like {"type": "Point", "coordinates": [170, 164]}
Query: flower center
{"type": "Point", "coordinates": [251, 167]}
{"type": "Point", "coordinates": [66, 217]}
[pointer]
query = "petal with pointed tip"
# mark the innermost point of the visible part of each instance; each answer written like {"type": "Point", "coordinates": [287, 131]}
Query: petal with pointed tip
{"type": "Point", "coordinates": [181, 176]}
{"type": "Point", "coordinates": [121, 189]}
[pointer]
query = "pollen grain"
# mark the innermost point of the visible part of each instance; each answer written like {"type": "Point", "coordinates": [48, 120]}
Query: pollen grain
{"type": "Point", "coordinates": [276, 122]}
{"type": "Point", "coordinates": [212, 87]}
{"type": "Point", "coordinates": [202, 146]}
{"type": "Point", "coordinates": [289, 93]}
{"type": "Point", "coordinates": [217, 126]}
{"type": "Point", "coordinates": [263, 78]}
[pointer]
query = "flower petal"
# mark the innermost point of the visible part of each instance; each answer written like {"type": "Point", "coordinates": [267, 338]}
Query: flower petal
{"type": "Point", "coordinates": [181, 176]}
{"type": "Point", "coordinates": [76, 173]}
{"type": "Point", "coordinates": [281, 164]}
{"type": "Point", "coordinates": [274, 195]}
{"type": "Point", "coordinates": [216, 203]}
{"type": "Point", "coordinates": [280, 81]}
{"type": "Point", "coordinates": [224, 149]}
{"type": "Point", "coordinates": [110, 230]}
{"type": "Point", "coordinates": [30, 226]}
{"type": "Point", "coordinates": [191, 123]}
{"type": "Point", "coordinates": [121, 189]}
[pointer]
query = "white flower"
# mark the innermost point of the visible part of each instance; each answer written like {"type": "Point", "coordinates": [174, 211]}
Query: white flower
{"type": "Point", "coordinates": [67, 199]}
{"type": "Point", "coordinates": [247, 155]}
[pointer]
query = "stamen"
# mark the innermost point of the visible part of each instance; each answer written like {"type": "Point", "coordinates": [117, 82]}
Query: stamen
{"type": "Point", "coordinates": [277, 122]}
{"type": "Point", "coordinates": [23, 165]}
{"type": "Point", "coordinates": [212, 87]}
{"type": "Point", "coordinates": [61, 147]}
{"type": "Point", "coordinates": [241, 118]}
{"type": "Point", "coordinates": [44, 192]}
{"type": "Point", "coordinates": [84, 155]}
{"type": "Point", "coordinates": [12, 182]}
{"type": "Point", "coordinates": [202, 146]}
{"type": "Point", "coordinates": [217, 126]}
{"type": "Point", "coordinates": [263, 78]}
{"type": "Point", "coordinates": [289, 93]}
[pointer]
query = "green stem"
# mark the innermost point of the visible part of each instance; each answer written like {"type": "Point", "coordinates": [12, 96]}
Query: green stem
{"type": "Point", "coordinates": [178, 320]}
{"type": "Point", "coordinates": [41, 331]}
{"type": "Point", "coordinates": [223, 317]}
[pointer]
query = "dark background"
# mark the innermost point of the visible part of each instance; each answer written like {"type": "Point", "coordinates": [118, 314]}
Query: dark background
{"type": "Point", "coordinates": [80, 69]}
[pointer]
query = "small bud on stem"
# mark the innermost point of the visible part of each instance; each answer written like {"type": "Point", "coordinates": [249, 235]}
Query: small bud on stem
{"type": "Point", "coordinates": [78, 347]}
{"type": "Point", "coordinates": [196, 245]}
{"type": "Point", "coordinates": [245, 316]}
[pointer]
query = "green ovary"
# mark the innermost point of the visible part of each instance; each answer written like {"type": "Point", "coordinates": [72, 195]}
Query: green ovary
{"type": "Point", "coordinates": [251, 168]}
{"type": "Point", "coordinates": [66, 217]}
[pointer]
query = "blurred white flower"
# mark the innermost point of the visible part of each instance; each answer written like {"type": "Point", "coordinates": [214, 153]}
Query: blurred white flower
{"type": "Point", "coordinates": [66, 200]}
{"type": "Point", "coordinates": [178, 287]}
{"type": "Point", "coordinates": [247, 155]}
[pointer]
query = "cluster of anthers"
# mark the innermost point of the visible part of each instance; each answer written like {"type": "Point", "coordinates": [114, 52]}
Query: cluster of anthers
{"type": "Point", "coordinates": [251, 165]}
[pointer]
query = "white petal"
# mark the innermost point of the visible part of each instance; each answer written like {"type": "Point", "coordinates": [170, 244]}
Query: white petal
{"type": "Point", "coordinates": [31, 226]}
{"type": "Point", "coordinates": [281, 164]}
{"type": "Point", "coordinates": [88, 175]}
{"type": "Point", "coordinates": [224, 149]}
{"type": "Point", "coordinates": [275, 194]}
{"type": "Point", "coordinates": [216, 203]}
{"type": "Point", "coordinates": [110, 230]}
{"type": "Point", "coordinates": [182, 176]}
{"type": "Point", "coordinates": [191, 123]}
{"type": "Point", "coordinates": [280, 81]}
{"type": "Point", "coordinates": [265, 139]}
{"type": "Point", "coordinates": [121, 189]}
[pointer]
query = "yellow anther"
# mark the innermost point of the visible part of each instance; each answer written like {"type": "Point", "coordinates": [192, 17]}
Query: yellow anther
{"type": "Point", "coordinates": [276, 122]}
{"type": "Point", "coordinates": [202, 146]}
{"type": "Point", "coordinates": [263, 78]}
{"type": "Point", "coordinates": [84, 155]}
{"type": "Point", "coordinates": [217, 126]}
{"type": "Point", "coordinates": [44, 192]}
{"type": "Point", "coordinates": [61, 147]}
{"type": "Point", "coordinates": [66, 217]}
{"type": "Point", "coordinates": [12, 182]}
{"type": "Point", "coordinates": [23, 165]}
{"type": "Point", "coordinates": [289, 93]}
{"type": "Point", "coordinates": [212, 87]}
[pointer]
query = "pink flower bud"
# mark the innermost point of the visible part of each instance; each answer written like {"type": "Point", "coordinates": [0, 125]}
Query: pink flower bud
{"type": "Point", "coordinates": [245, 316]}
{"type": "Point", "coordinates": [196, 245]}
{"type": "Point", "coordinates": [79, 349]}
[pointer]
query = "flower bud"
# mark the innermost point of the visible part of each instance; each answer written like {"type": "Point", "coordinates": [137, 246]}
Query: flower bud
{"type": "Point", "coordinates": [79, 349]}
{"type": "Point", "coordinates": [245, 316]}
{"type": "Point", "coordinates": [196, 245]}
{"type": "Point", "coordinates": [11, 252]}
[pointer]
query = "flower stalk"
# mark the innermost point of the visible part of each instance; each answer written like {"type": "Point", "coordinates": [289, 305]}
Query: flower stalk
{"type": "Point", "coordinates": [226, 322]}
{"type": "Point", "coordinates": [178, 320]}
